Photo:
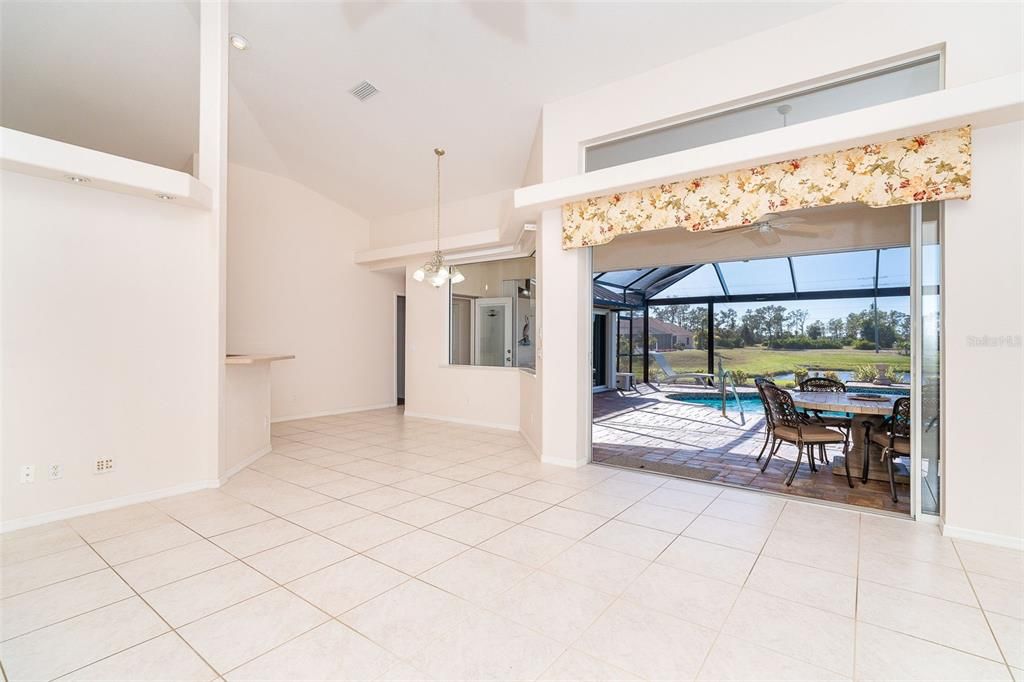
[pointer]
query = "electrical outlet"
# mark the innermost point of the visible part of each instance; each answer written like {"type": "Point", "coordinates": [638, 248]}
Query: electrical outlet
{"type": "Point", "coordinates": [28, 474]}
{"type": "Point", "coordinates": [104, 466]}
{"type": "Point", "coordinates": [55, 471]}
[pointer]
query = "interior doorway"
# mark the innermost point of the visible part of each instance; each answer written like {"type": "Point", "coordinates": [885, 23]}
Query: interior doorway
{"type": "Point", "coordinates": [400, 349]}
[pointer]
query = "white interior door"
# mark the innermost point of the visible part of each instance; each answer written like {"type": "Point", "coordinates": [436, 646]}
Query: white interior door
{"type": "Point", "coordinates": [493, 333]}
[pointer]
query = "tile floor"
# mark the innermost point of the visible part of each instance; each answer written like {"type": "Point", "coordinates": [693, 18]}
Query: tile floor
{"type": "Point", "coordinates": [370, 546]}
{"type": "Point", "coordinates": [644, 429]}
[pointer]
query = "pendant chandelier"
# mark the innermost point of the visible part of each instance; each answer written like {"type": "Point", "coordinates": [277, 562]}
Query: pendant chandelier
{"type": "Point", "coordinates": [435, 271]}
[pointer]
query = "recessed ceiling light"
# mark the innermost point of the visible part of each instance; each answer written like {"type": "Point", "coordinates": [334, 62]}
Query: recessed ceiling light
{"type": "Point", "coordinates": [166, 197]}
{"type": "Point", "coordinates": [239, 42]}
{"type": "Point", "coordinates": [76, 178]}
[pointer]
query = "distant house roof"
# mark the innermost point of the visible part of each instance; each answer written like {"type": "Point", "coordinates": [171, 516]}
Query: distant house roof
{"type": "Point", "coordinates": [654, 326]}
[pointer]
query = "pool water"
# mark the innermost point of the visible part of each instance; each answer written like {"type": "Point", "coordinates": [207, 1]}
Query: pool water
{"type": "Point", "coordinates": [752, 403]}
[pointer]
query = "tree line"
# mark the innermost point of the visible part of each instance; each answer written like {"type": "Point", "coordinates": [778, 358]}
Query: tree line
{"type": "Point", "coordinates": [777, 325]}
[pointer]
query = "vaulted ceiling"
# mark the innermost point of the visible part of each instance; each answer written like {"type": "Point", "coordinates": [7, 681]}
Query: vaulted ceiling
{"type": "Point", "coordinates": [469, 76]}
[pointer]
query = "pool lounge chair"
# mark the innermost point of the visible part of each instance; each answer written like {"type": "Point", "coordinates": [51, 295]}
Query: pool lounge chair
{"type": "Point", "coordinates": [671, 376]}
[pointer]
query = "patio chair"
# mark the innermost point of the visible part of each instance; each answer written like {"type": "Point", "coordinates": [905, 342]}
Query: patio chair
{"type": "Point", "coordinates": [826, 385]}
{"type": "Point", "coordinates": [671, 376]}
{"type": "Point", "coordinates": [758, 383]}
{"type": "Point", "coordinates": [790, 426]}
{"type": "Point", "coordinates": [894, 439]}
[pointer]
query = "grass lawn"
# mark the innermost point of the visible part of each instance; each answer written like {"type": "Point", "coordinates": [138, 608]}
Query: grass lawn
{"type": "Point", "coordinates": [755, 360]}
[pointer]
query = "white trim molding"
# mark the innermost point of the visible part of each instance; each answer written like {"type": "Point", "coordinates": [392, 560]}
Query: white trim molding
{"type": "Point", "coordinates": [330, 413]}
{"type": "Point", "coordinates": [468, 422]}
{"type": "Point", "coordinates": [105, 505]}
{"type": "Point", "coordinates": [958, 533]}
{"type": "Point", "coordinates": [224, 477]}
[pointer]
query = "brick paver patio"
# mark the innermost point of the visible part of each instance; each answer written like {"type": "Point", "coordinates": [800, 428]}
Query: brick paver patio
{"type": "Point", "coordinates": [647, 430]}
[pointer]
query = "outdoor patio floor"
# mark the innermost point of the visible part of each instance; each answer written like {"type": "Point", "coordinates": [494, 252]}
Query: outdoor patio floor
{"type": "Point", "coordinates": [646, 430]}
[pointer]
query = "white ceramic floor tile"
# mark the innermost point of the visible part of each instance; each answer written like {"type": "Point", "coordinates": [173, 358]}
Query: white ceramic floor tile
{"type": "Point", "coordinates": [226, 520]}
{"type": "Point", "coordinates": [754, 514]}
{"type": "Point", "coordinates": [485, 646]}
{"type": "Point", "coordinates": [166, 657]}
{"type": "Point", "coordinates": [346, 487]}
{"type": "Point", "coordinates": [49, 569]}
{"type": "Point", "coordinates": [466, 495]}
{"type": "Point", "coordinates": [709, 560]}
{"type": "Point", "coordinates": [174, 564]}
{"type": "Point", "coordinates": [997, 562]}
{"type": "Point", "coordinates": [469, 527]}
{"type": "Point", "coordinates": [144, 542]}
{"type": "Point", "coordinates": [200, 595]}
{"type": "Point", "coordinates": [571, 523]}
{"type": "Point", "coordinates": [647, 643]}
{"type": "Point", "coordinates": [422, 511]}
{"type": "Point", "coordinates": [367, 532]}
{"type": "Point", "coordinates": [40, 541]}
{"type": "Point", "coordinates": [805, 585]}
{"type": "Point", "coordinates": [109, 524]}
{"type": "Point", "coordinates": [683, 500]}
{"type": "Point", "coordinates": [512, 508]}
{"type": "Point", "coordinates": [407, 618]}
{"type": "Point", "coordinates": [1009, 634]}
{"type": "Point", "coordinates": [937, 620]}
{"type": "Point", "coordinates": [258, 538]}
{"type": "Point", "coordinates": [476, 575]}
{"type": "Point", "coordinates": [329, 652]}
{"type": "Point", "coordinates": [47, 605]}
{"type": "Point", "coordinates": [639, 541]}
{"type": "Point", "coordinates": [596, 503]}
{"type": "Point", "coordinates": [603, 569]}
{"type": "Point", "coordinates": [660, 518]}
{"type": "Point", "coordinates": [347, 584]}
{"type": "Point", "coordinates": [814, 636]}
{"type": "Point", "coordinates": [557, 608]}
{"type": "Point", "coordinates": [416, 552]}
{"type": "Point", "coordinates": [574, 665]}
{"type": "Point", "coordinates": [884, 655]}
{"type": "Point", "coordinates": [928, 578]}
{"type": "Point", "coordinates": [238, 634]}
{"type": "Point", "coordinates": [689, 596]}
{"type": "Point", "coordinates": [327, 516]}
{"type": "Point", "coordinates": [426, 484]}
{"type": "Point", "coordinates": [736, 660]}
{"type": "Point", "coordinates": [381, 498]}
{"type": "Point", "coordinates": [545, 491]}
{"type": "Point", "coordinates": [527, 545]}
{"type": "Point", "coordinates": [831, 553]}
{"type": "Point", "coordinates": [75, 643]}
{"type": "Point", "coordinates": [729, 533]}
{"type": "Point", "coordinates": [999, 596]}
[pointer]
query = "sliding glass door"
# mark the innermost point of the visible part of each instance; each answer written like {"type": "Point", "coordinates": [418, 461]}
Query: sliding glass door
{"type": "Point", "coordinates": [926, 360]}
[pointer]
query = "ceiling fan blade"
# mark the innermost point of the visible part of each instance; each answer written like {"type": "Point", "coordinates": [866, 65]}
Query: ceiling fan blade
{"type": "Point", "coordinates": [809, 231]}
{"type": "Point", "coordinates": [763, 237]}
{"type": "Point", "coordinates": [789, 220]}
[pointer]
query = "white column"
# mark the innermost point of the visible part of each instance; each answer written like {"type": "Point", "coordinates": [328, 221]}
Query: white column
{"type": "Point", "coordinates": [213, 172]}
{"type": "Point", "coordinates": [565, 346]}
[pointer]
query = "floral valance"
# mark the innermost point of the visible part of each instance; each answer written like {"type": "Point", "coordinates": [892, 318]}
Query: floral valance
{"type": "Point", "coordinates": [905, 171]}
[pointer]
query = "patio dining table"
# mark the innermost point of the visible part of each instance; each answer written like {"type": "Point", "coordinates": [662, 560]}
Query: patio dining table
{"type": "Point", "coordinates": [873, 412]}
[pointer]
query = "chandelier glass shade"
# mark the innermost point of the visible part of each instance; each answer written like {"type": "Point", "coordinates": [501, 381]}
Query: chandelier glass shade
{"type": "Point", "coordinates": [435, 271]}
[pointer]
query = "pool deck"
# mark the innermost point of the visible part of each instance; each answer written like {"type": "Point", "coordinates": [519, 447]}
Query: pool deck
{"type": "Point", "coordinates": [645, 429]}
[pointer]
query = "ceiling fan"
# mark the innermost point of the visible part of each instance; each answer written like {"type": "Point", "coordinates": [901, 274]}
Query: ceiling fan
{"type": "Point", "coordinates": [772, 227]}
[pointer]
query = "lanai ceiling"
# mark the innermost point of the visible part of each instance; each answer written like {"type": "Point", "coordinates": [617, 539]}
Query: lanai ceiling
{"type": "Point", "coordinates": [470, 76]}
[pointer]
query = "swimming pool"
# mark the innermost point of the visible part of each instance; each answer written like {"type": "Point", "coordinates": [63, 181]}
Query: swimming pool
{"type": "Point", "coordinates": [752, 404]}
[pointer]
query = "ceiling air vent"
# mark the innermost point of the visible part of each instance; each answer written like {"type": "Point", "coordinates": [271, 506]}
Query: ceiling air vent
{"type": "Point", "coordinates": [364, 91]}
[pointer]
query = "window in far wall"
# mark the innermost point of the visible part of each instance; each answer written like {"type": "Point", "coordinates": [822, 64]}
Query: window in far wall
{"type": "Point", "coordinates": [493, 314]}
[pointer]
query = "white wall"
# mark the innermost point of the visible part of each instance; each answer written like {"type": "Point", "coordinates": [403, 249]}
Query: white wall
{"type": "Point", "coordinates": [980, 41]}
{"type": "Point", "coordinates": [293, 288]}
{"type": "Point", "coordinates": [247, 416]}
{"type": "Point", "coordinates": [109, 335]}
{"type": "Point", "coordinates": [488, 211]}
{"type": "Point", "coordinates": [486, 396]}
{"type": "Point", "coordinates": [982, 385]}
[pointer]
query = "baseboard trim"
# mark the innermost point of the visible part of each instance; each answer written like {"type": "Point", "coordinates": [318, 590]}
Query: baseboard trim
{"type": "Point", "coordinates": [561, 462]}
{"type": "Point", "coordinates": [982, 537]}
{"type": "Point", "coordinates": [105, 505]}
{"type": "Point", "coordinates": [244, 463]}
{"type": "Point", "coordinates": [329, 413]}
{"type": "Point", "coordinates": [458, 420]}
